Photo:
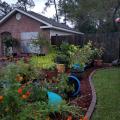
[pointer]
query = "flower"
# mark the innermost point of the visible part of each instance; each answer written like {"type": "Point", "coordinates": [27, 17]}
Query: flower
{"type": "Point", "coordinates": [19, 78]}
{"type": "Point", "coordinates": [27, 93]}
{"type": "Point", "coordinates": [69, 117]}
{"type": "Point", "coordinates": [24, 96]}
{"type": "Point", "coordinates": [85, 118]}
{"type": "Point", "coordinates": [20, 90]}
{"type": "Point", "coordinates": [1, 98]}
{"type": "Point", "coordinates": [6, 109]}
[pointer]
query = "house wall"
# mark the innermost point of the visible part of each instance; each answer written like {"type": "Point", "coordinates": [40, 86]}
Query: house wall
{"type": "Point", "coordinates": [59, 33]}
{"type": "Point", "coordinates": [25, 24]}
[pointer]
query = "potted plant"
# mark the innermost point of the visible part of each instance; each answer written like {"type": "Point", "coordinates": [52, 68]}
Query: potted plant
{"type": "Point", "coordinates": [98, 62]}
{"type": "Point", "coordinates": [61, 61]}
{"type": "Point", "coordinates": [42, 43]}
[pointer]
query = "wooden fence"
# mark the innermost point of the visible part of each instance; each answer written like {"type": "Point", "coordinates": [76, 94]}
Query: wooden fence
{"type": "Point", "coordinates": [71, 39]}
{"type": "Point", "coordinates": [110, 41]}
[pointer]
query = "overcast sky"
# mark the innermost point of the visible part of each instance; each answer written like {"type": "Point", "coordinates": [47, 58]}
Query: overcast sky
{"type": "Point", "coordinates": [39, 7]}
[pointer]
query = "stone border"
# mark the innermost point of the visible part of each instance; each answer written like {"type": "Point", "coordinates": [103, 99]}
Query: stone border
{"type": "Point", "coordinates": [93, 102]}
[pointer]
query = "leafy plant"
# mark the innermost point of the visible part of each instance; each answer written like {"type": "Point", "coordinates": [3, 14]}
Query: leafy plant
{"type": "Point", "coordinates": [61, 59]}
{"type": "Point", "coordinates": [83, 55]}
{"type": "Point", "coordinates": [42, 43]}
{"type": "Point", "coordinates": [42, 111]}
{"type": "Point", "coordinates": [98, 52]}
{"type": "Point", "coordinates": [38, 94]}
{"type": "Point", "coordinates": [62, 86]}
{"type": "Point", "coordinates": [65, 52]}
{"type": "Point", "coordinates": [21, 68]}
{"type": "Point", "coordinates": [43, 62]}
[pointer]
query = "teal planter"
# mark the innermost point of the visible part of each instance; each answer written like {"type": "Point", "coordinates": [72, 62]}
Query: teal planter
{"type": "Point", "coordinates": [54, 99]}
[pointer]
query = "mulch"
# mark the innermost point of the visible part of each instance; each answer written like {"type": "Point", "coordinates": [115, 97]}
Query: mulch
{"type": "Point", "coordinates": [84, 98]}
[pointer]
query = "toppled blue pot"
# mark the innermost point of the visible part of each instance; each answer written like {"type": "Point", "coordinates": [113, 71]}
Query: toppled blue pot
{"type": "Point", "coordinates": [73, 80]}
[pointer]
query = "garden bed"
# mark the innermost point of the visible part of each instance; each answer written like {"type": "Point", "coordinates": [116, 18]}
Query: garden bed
{"type": "Point", "coordinates": [83, 99]}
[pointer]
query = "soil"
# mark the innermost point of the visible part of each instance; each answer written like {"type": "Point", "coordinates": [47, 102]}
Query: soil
{"type": "Point", "coordinates": [85, 96]}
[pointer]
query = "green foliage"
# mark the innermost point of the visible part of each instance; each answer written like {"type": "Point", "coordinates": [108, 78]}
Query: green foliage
{"type": "Point", "coordinates": [91, 16]}
{"type": "Point", "coordinates": [83, 55]}
{"type": "Point", "coordinates": [10, 71]}
{"type": "Point", "coordinates": [42, 111]}
{"type": "Point", "coordinates": [98, 52]}
{"type": "Point", "coordinates": [43, 62]}
{"type": "Point", "coordinates": [38, 94]}
{"type": "Point", "coordinates": [62, 87]}
{"type": "Point", "coordinates": [61, 59]}
{"type": "Point", "coordinates": [42, 43]}
{"type": "Point", "coordinates": [11, 104]}
{"type": "Point", "coordinates": [5, 8]}
{"type": "Point", "coordinates": [65, 52]}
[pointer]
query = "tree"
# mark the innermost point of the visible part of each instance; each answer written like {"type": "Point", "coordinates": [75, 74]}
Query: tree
{"type": "Point", "coordinates": [52, 2]}
{"type": "Point", "coordinates": [97, 14]}
{"type": "Point", "coordinates": [5, 8]}
{"type": "Point", "coordinates": [25, 4]}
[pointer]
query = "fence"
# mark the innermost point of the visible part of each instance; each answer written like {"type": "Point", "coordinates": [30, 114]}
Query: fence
{"type": "Point", "coordinates": [110, 41]}
{"type": "Point", "coordinates": [72, 39]}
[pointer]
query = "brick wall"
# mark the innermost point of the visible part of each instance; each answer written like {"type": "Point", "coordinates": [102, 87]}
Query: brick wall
{"type": "Point", "coordinates": [25, 24]}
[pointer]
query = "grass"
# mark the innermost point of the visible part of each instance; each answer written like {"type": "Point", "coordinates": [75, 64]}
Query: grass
{"type": "Point", "coordinates": [107, 85]}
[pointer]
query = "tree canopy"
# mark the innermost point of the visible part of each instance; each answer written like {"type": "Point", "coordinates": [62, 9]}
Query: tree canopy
{"type": "Point", "coordinates": [91, 15]}
{"type": "Point", "coordinates": [25, 4]}
{"type": "Point", "coordinates": [5, 8]}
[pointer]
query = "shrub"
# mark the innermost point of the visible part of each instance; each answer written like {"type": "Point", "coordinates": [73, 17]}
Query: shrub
{"type": "Point", "coordinates": [43, 62]}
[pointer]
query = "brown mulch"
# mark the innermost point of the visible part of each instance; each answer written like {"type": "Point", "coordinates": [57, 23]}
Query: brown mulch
{"type": "Point", "coordinates": [85, 96]}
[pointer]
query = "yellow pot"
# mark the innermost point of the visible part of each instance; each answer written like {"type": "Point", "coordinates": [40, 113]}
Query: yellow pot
{"type": "Point", "coordinates": [60, 68]}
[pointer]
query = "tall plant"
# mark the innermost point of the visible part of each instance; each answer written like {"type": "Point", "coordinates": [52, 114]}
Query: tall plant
{"type": "Point", "coordinates": [41, 42]}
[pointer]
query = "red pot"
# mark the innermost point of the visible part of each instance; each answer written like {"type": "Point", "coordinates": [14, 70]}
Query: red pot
{"type": "Point", "coordinates": [98, 63]}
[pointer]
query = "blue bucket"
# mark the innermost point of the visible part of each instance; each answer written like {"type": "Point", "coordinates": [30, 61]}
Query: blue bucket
{"type": "Point", "coordinates": [76, 82]}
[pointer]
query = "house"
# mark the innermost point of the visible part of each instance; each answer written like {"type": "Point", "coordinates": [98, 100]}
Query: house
{"type": "Point", "coordinates": [25, 26]}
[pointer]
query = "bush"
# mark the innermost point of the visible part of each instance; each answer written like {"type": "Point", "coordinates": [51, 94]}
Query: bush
{"type": "Point", "coordinates": [43, 62]}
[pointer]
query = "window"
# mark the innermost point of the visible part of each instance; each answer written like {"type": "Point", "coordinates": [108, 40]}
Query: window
{"type": "Point", "coordinates": [26, 42]}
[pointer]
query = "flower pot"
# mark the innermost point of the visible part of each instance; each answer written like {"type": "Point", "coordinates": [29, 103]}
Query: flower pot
{"type": "Point", "coordinates": [51, 73]}
{"type": "Point", "coordinates": [60, 68]}
{"type": "Point", "coordinates": [98, 63]}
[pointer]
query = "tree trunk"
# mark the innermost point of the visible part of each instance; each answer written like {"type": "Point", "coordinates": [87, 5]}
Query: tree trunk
{"type": "Point", "coordinates": [56, 11]}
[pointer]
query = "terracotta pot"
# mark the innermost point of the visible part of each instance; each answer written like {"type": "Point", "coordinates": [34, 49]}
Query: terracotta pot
{"type": "Point", "coordinates": [60, 68]}
{"type": "Point", "coordinates": [98, 63]}
{"type": "Point", "coordinates": [51, 74]}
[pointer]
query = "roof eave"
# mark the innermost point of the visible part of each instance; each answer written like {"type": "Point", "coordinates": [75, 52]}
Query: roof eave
{"type": "Point", "coordinates": [63, 29]}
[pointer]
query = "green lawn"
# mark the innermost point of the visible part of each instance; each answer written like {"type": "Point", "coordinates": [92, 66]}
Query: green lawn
{"type": "Point", "coordinates": [107, 85]}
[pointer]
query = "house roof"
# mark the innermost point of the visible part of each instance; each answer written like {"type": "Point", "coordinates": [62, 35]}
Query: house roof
{"type": "Point", "coordinates": [49, 23]}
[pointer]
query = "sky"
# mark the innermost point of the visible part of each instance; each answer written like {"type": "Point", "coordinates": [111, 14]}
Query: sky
{"type": "Point", "coordinates": [39, 7]}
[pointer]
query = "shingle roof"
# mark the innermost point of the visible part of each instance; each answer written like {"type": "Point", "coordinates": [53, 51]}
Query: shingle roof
{"type": "Point", "coordinates": [49, 20]}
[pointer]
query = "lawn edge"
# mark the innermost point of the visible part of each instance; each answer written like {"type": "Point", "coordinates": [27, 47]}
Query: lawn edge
{"type": "Point", "coordinates": [94, 97]}
{"type": "Point", "coordinates": [93, 101]}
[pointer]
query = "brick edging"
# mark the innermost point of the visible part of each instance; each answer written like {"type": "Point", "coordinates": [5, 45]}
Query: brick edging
{"type": "Point", "coordinates": [93, 102]}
